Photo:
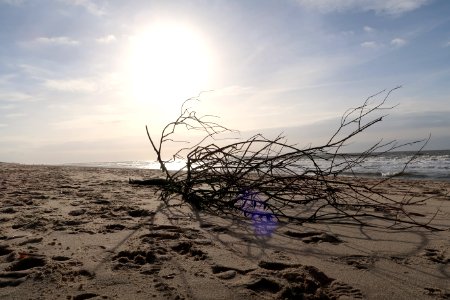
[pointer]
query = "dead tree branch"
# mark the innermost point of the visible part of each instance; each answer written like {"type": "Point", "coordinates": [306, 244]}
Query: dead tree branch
{"type": "Point", "coordinates": [271, 179]}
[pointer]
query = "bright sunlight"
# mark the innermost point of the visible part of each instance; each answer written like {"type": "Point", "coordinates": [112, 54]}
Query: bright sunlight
{"type": "Point", "coordinates": [169, 63]}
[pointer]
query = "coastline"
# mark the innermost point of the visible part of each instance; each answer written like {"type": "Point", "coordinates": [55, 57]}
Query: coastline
{"type": "Point", "coordinates": [428, 165]}
{"type": "Point", "coordinates": [75, 232]}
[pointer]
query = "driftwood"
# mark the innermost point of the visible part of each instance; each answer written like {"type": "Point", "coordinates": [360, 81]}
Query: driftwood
{"type": "Point", "coordinates": [152, 181]}
{"type": "Point", "coordinates": [270, 179]}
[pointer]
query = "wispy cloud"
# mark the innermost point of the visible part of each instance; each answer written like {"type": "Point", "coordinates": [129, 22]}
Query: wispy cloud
{"type": "Point", "coordinates": [234, 90]}
{"type": "Point", "coordinates": [71, 85]}
{"type": "Point", "coordinates": [370, 44]}
{"type": "Point", "coordinates": [93, 7]}
{"type": "Point", "coordinates": [34, 71]}
{"type": "Point", "coordinates": [7, 106]}
{"type": "Point", "coordinates": [398, 42]}
{"type": "Point", "coordinates": [12, 2]}
{"type": "Point", "coordinates": [14, 97]}
{"type": "Point", "coordinates": [106, 39]}
{"type": "Point", "coordinates": [89, 121]}
{"type": "Point", "coordinates": [59, 40]}
{"type": "Point", "coordinates": [368, 29]}
{"type": "Point", "coordinates": [6, 78]}
{"type": "Point", "coordinates": [15, 115]}
{"type": "Point", "coordinates": [389, 7]}
{"type": "Point", "coordinates": [447, 44]}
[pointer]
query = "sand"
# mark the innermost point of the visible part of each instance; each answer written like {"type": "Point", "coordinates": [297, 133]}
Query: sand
{"type": "Point", "coordinates": [85, 233]}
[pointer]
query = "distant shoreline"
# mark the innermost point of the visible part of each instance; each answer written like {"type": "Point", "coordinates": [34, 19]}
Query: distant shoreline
{"type": "Point", "coordinates": [125, 166]}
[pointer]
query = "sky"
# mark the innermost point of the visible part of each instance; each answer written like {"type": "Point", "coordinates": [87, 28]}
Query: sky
{"type": "Point", "coordinates": [80, 79]}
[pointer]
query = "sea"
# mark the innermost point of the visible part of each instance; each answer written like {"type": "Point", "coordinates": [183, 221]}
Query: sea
{"type": "Point", "coordinates": [432, 165]}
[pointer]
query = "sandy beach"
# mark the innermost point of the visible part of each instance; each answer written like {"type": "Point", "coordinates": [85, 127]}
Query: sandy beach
{"type": "Point", "coordinates": [85, 233]}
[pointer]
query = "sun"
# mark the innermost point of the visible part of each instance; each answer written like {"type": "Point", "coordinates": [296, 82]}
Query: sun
{"type": "Point", "coordinates": [169, 62]}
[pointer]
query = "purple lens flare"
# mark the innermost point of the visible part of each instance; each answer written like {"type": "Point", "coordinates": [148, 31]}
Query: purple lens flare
{"type": "Point", "coordinates": [250, 203]}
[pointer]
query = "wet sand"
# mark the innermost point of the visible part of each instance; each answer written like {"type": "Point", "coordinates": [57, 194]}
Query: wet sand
{"type": "Point", "coordinates": [85, 233]}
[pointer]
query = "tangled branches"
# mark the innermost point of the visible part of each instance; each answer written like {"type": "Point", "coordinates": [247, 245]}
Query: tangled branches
{"type": "Point", "coordinates": [271, 179]}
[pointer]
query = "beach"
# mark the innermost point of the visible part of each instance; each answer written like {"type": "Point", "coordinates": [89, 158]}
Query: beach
{"type": "Point", "coordinates": [69, 232]}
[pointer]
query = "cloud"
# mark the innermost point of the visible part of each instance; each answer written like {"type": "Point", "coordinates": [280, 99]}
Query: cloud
{"type": "Point", "coordinates": [71, 85]}
{"type": "Point", "coordinates": [95, 122]}
{"type": "Point", "coordinates": [15, 115]}
{"type": "Point", "coordinates": [389, 7]}
{"type": "Point", "coordinates": [398, 42]}
{"type": "Point", "coordinates": [370, 44]}
{"type": "Point", "coordinates": [60, 40]}
{"type": "Point", "coordinates": [1, 124]}
{"type": "Point", "coordinates": [6, 78]}
{"type": "Point", "coordinates": [106, 39]}
{"type": "Point", "coordinates": [90, 5]}
{"type": "Point", "coordinates": [12, 2]}
{"type": "Point", "coordinates": [7, 107]}
{"type": "Point", "coordinates": [14, 97]}
{"type": "Point", "coordinates": [447, 44]}
{"type": "Point", "coordinates": [34, 71]}
{"type": "Point", "coordinates": [368, 29]}
{"type": "Point", "coordinates": [233, 90]}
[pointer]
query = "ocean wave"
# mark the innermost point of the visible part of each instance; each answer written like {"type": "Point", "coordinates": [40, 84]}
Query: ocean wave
{"type": "Point", "coordinates": [426, 165]}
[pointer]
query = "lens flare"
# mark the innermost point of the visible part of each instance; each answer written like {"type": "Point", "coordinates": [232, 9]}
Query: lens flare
{"type": "Point", "coordinates": [263, 221]}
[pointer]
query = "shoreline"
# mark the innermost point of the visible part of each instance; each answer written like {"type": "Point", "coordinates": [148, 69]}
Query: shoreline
{"type": "Point", "coordinates": [75, 232]}
{"type": "Point", "coordinates": [346, 175]}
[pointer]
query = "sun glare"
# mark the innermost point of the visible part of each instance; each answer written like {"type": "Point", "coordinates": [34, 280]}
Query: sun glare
{"type": "Point", "coordinates": [168, 64]}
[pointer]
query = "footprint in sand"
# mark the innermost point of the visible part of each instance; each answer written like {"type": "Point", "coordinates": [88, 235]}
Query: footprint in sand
{"type": "Point", "coordinates": [134, 259]}
{"type": "Point", "coordinates": [171, 232]}
{"type": "Point", "coordinates": [339, 289]}
{"type": "Point", "coordinates": [19, 269]}
{"type": "Point", "coordinates": [9, 278]}
{"type": "Point", "coordinates": [436, 256]}
{"type": "Point", "coordinates": [292, 281]}
{"type": "Point", "coordinates": [62, 225]}
{"type": "Point", "coordinates": [264, 285]}
{"type": "Point", "coordinates": [5, 250]}
{"type": "Point", "coordinates": [8, 210]}
{"type": "Point", "coordinates": [31, 241]}
{"type": "Point", "coordinates": [437, 293]}
{"type": "Point", "coordinates": [27, 263]}
{"type": "Point", "coordinates": [222, 271]}
{"type": "Point", "coordinates": [161, 235]}
{"type": "Point", "coordinates": [314, 237]}
{"type": "Point", "coordinates": [77, 212]}
{"type": "Point", "coordinates": [147, 263]}
{"type": "Point", "coordinates": [84, 296]}
{"type": "Point", "coordinates": [12, 278]}
{"type": "Point", "coordinates": [187, 248]}
{"type": "Point", "coordinates": [37, 223]}
{"type": "Point", "coordinates": [230, 274]}
{"type": "Point", "coordinates": [114, 227]}
{"type": "Point", "coordinates": [360, 262]}
{"type": "Point", "coordinates": [214, 228]}
{"type": "Point", "coordinates": [399, 259]}
{"type": "Point", "coordinates": [138, 213]}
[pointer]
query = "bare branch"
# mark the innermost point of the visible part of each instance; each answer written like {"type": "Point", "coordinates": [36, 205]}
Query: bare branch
{"type": "Point", "coordinates": [272, 179]}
